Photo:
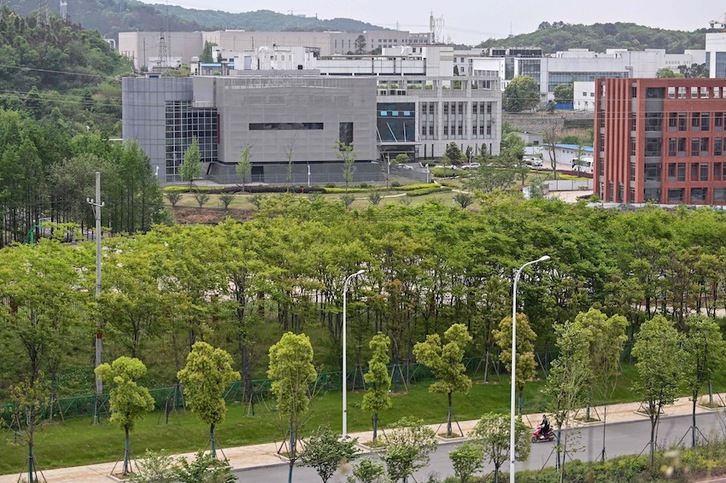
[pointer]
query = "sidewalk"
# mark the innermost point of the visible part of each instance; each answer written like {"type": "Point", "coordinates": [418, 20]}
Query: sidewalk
{"type": "Point", "coordinates": [260, 455]}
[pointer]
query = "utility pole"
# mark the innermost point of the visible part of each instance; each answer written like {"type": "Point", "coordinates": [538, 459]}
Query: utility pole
{"type": "Point", "coordinates": [96, 205]}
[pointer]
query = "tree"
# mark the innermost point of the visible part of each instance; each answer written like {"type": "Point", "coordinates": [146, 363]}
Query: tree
{"type": "Point", "coordinates": [567, 379]}
{"type": "Point", "coordinates": [292, 372]}
{"type": "Point", "coordinates": [521, 94]}
{"type": "Point", "coordinates": [408, 447]}
{"type": "Point", "coordinates": [204, 468]}
{"type": "Point", "coordinates": [206, 55]}
{"type": "Point", "coordinates": [492, 432]}
{"type": "Point", "coordinates": [205, 377]}
{"type": "Point", "coordinates": [667, 73]}
{"type": "Point", "coordinates": [705, 352]}
{"type": "Point", "coordinates": [226, 199]}
{"type": "Point", "coordinates": [129, 401]}
{"type": "Point", "coordinates": [201, 197]}
{"type": "Point", "coordinates": [360, 44]}
{"type": "Point", "coordinates": [444, 360]}
{"type": "Point", "coordinates": [325, 452]}
{"type": "Point", "coordinates": [453, 155]}
{"type": "Point", "coordinates": [525, 350]}
{"type": "Point", "coordinates": [694, 71]}
{"type": "Point", "coordinates": [191, 166]}
{"type": "Point", "coordinates": [378, 379]}
{"type": "Point", "coordinates": [660, 369]}
{"type": "Point", "coordinates": [347, 154]}
{"type": "Point", "coordinates": [173, 197]}
{"type": "Point", "coordinates": [244, 166]}
{"type": "Point", "coordinates": [467, 459]}
{"type": "Point", "coordinates": [564, 93]}
{"type": "Point", "coordinates": [368, 472]}
{"type": "Point", "coordinates": [463, 199]}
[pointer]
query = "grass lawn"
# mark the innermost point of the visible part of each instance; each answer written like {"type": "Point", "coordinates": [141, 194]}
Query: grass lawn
{"type": "Point", "coordinates": [77, 441]}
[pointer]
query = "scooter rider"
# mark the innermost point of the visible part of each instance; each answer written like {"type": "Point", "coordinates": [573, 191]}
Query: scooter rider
{"type": "Point", "coordinates": [545, 426]}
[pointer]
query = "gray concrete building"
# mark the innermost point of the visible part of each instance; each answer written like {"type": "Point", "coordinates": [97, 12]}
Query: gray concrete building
{"type": "Point", "coordinates": [290, 122]}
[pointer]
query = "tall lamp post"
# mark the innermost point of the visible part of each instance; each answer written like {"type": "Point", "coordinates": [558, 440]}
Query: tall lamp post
{"type": "Point", "coordinates": [514, 362]}
{"type": "Point", "coordinates": [345, 345]}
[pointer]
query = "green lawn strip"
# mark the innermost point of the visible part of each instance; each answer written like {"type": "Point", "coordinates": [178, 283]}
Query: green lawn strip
{"type": "Point", "coordinates": [77, 441]}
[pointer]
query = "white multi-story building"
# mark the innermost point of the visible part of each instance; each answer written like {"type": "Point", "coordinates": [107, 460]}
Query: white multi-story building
{"type": "Point", "coordinates": [716, 54]}
{"type": "Point", "coordinates": [584, 96]}
{"type": "Point", "coordinates": [139, 46]}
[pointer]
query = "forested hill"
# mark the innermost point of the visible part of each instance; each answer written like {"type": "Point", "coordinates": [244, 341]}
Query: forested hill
{"type": "Point", "coordinates": [558, 36]}
{"type": "Point", "coordinates": [110, 17]}
{"type": "Point", "coordinates": [265, 20]}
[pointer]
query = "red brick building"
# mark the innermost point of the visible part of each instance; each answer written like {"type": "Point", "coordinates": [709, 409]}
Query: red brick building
{"type": "Point", "coordinates": [660, 140]}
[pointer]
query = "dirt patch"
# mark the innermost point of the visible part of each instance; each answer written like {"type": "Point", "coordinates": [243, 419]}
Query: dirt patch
{"type": "Point", "coordinates": [208, 216]}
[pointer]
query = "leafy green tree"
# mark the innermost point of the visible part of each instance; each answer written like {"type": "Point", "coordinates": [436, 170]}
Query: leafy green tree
{"type": "Point", "coordinates": [244, 166]}
{"type": "Point", "coordinates": [564, 93]}
{"type": "Point", "coordinates": [154, 467]}
{"type": "Point", "coordinates": [201, 197]}
{"type": "Point", "coordinates": [492, 432]}
{"type": "Point", "coordinates": [292, 372]}
{"type": "Point", "coordinates": [191, 166]}
{"type": "Point", "coordinates": [463, 199]}
{"type": "Point", "coordinates": [694, 71]}
{"type": "Point", "coordinates": [409, 444]}
{"type": "Point", "coordinates": [377, 399]}
{"type": "Point", "coordinates": [206, 55]}
{"type": "Point", "coordinates": [667, 73]}
{"type": "Point", "coordinates": [705, 352]}
{"type": "Point", "coordinates": [205, 377]}
{"type": "Point", "coordinates": [467, 459]}
{"type": "Point", "coordinates": [174, 197]}
{"type": "Point", "coordinates": [526, 337]}
{"type": "Point", "coordinates": [445, 362]}
{"type": "Point", "coordinates": [374, 197]}
{"type": "Point", "coordinates": [567, 379]}
{"type": "Point", "coordinates": [129, 400]}
{"type": "Point", "coordinates": [226, 199]}
{"type": "Point", "coordinates": [347, 154]}
{"type": "Point", "coordinates": [605, 348]}
{"type": "Point", "coordinates": [521, 94]}
{"type": "Point", "coordinates": [325, 452]}
{"type": "Point", "coordinates": [204, 468]}
{"type": "Point", "coordinates": [453, 155]}
{"type": "Point", "coordinates": [360, 44]}
{"type": "Point", "coordinates": [368, 472]}
{"type": "Point", "coordinates": [660, 369]}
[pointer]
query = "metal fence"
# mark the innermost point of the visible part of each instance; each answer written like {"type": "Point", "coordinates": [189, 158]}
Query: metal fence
{"type": "Point", "coordinates": [169, 398]}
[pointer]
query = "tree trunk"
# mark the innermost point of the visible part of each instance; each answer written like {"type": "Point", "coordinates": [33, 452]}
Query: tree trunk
{"type": "Point", "coordinates": [653, 423]}
{"type": "Point", "coordinates": [291, 454]}
{"type": "Point", "coordinates": [375, 426]}
{"type": "Point", "coordinates": [693, 415]}
{"type": "Point", "coordinates": [213, 441]}
{"type": "Point", "coordinates": [448, 418]}
{"type": "Point", "coordinates": [127, 458]}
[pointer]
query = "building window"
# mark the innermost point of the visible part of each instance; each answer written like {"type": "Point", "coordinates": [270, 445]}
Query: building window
{"type": "Point", "coordinates": [652, 172]}
{"type": "Point", "coordinates": [718, 121]}
{"type": "Point", "coordinates": [704, 171]}
{"type": "Point", "coordinates": [653, 146]}
{"type": "Point", "coordinates": [651, 194]}
{"type": "Point", "coordinates": [672, 144]}
{"type": "Point", "coordinates": [717, 146]}
{"type": "Point", "coordinates": [704, 146]}
{"type": "Point", "coordinates": [671, 92]}
{"type": "Point", "coordinates": [719, 194]}
{"type": "Point", "coordinates": [632, 171]}
{"type": "Point", "coordinates": [633, 152]}
{"type": "Point", "coordinates": [705, 121]}
{"type": "Point", "coordinates": [285, 126]}
{"type": "Point", "coordinates": [653, 121]}
{"type": "Point", "coordinates": [695, 144]}
{"type": "Point", "coordinates": [694, 92]}
{"type": "Point", "coordinates": [682, 116]}
{"type": "Point", "coordinates": [681, 172]}
{"type": "Point", "coordinates": [675, 195]}
{"type": "Point", "coordinates": [681, 146]}
{"type": "Point", "coordinates": [698, 195]}
{"type": "Point", "coordinates": [696, 121]}
{"type": "Point", "coordinates": [681, 93]}
{"type": "Point", "coordinates": [345, 133]}
{"type": "Point", "coordinates": [717, 171]}
{"type": "Point", "coordinates": [672, 121]}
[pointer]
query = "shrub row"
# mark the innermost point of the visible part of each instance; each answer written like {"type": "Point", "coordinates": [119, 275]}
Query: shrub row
{"type": "Point", "coordinates": [428, 191]}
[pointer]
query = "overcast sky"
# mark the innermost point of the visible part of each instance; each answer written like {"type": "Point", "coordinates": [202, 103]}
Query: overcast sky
{"type": "Point", "coordinates": [470, 22]}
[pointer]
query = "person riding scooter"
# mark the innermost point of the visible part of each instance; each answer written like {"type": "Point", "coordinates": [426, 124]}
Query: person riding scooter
{"type": "Point", "coordinates": [545, 426]}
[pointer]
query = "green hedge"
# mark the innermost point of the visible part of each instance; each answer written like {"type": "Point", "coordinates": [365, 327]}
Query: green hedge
{"type": "Point", "coordinates": [445, 172]}
{"type": "Point", "coordinates": [428, 191]}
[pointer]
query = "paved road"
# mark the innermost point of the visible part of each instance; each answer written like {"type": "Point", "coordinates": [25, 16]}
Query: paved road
{"type": "Point", "coordinates": [621, 439]}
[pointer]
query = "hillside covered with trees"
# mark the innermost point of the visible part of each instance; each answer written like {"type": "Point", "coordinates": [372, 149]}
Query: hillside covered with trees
{"type": "Point", "coordinates": [110, 17]}
{"type": "Point", "coordinates": [558, 36]}
{"type": "Point", "coordinates": [49, 64]}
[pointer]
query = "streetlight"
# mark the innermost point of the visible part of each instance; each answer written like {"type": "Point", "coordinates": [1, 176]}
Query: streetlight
{"type": "Point", "coordinates": [345, 344]}
{"type": "Point", "coordinates": [514, 361]}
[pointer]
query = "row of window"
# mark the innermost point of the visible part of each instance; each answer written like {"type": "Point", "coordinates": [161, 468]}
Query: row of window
{"type": "Point", "coordinates": [698, 146]}
{"type": "Point", "coordinates": [700, 121]}
{"type": "Point", "coordinates": [699, 171]}
{"type": "Point", "coordinates": [457, 107]}
{"type": "Point", "coordinates": [476, 131]}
